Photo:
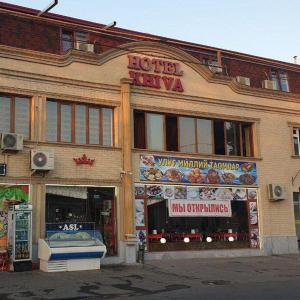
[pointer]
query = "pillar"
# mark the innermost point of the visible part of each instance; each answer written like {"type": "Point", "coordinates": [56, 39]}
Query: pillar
{"type": "Point", "coordinates": [129, 236]}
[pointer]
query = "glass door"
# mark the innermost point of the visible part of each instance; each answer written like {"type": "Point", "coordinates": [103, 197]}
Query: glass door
{"type": "Point", "coordinates": [22, 235]}
{"type": "Point", "coordinates": [296, 199]}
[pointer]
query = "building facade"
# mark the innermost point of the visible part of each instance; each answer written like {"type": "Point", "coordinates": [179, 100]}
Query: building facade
{"type": "Point", "coordinates": [172, 143]}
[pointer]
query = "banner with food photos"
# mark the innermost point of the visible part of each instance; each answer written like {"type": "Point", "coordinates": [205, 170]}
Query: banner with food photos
{"type": "Point", "coordinates": [197, 171]}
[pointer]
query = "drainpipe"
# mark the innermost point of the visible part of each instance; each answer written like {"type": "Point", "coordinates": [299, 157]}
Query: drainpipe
{"type": "Point", "coordinates": [48, 8]}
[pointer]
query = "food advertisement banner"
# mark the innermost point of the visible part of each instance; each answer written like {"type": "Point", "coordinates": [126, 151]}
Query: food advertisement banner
{"type": "Point", "coordinates": [204, 208]}
{"type": "Point", "coordinates": [196, 171]}
{"type": "Point", "coordinates": [10, 195]}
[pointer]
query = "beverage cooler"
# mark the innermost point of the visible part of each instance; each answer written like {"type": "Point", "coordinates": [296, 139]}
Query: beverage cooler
{"type": "Point", "coordinates": [20, 237]}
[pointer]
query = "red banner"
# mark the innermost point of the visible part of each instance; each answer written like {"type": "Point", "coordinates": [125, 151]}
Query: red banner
{"type": "Point", "coordinates": [199, 208]}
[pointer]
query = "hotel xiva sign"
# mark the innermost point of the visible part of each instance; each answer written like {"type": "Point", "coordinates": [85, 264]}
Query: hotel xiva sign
{"type": "Point", "coordinates": [155, 73]}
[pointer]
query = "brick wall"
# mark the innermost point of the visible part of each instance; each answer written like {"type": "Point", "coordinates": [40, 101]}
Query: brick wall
{"type": "Point", "coordinates": [29, 34]}
{"type": "Point", "coordinates": [256, 73]}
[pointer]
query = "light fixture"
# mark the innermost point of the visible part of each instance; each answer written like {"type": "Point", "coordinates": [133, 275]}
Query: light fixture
{"type": "Point", "coordinates": [163, 240]}
{"type": "Point", "coordinates": [231, 239]}
{"type": "Point", "coordinates": [186, 239]}
{"type": "Point", "coordinates": [209, 239]}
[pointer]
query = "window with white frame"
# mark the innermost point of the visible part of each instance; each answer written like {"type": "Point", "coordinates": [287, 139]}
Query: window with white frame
{"type": "Point", "coordinates": [296, 138]}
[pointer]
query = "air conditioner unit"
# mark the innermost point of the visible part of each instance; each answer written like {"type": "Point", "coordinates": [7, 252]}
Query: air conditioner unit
{"type": "Point", "coordinates": [42, 160]}
{"type": "Point", "coordinates": [269, 84]}
{"type": "Point", "coordinates": [243, 80]}
{"type": "Point", "coordinates": [84, 47]}
{"type": "Point", "coordinates": [277, 192]}
{"type": "Point", "coordinates": [215, 69]}
{"type": "Point", "coordinates": [11, 141]}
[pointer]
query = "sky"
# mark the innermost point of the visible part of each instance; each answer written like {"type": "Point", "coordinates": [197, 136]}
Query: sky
{"type": "Point", "coordinates": [267, 28]}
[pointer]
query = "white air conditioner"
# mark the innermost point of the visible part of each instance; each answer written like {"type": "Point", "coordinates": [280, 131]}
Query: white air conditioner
{"type": "Point", "coordinates": [82, 46]}
{"type": "Point", "coordinates": [42, 160]}
{"type": "Point", "coordinates": [215, 69]}
{"type": "Point", "coordinates": [277, 192]}
{"type": "Point", "coordinates": [11, 141]}
{"type": "Point", "coordinates": [243, 80]}
{"type": "Point", "coordinates": [269, 84]}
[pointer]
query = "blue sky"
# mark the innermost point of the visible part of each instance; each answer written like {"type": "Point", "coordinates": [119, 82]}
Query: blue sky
{"type": "Point", "coordinates": [268, 28]}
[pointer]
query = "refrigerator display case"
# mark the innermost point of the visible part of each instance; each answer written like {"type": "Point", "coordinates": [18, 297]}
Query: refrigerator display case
{"type": "Point", "coordinates": [20, 237]}
{"type": "Point", "coordinates": [71, 247]}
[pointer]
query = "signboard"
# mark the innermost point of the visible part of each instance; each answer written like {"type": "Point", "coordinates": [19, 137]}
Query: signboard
{"type": "Point", "coordinates": [196, 171]}
{"type": "Point", "coordinates": [2, 169]}
{"type": "Point", "coordinates": [69, 226]}
{"type": "Point", "coordinates": [155, 73]}
{"type": "Point", "coordinates": [201, 208]}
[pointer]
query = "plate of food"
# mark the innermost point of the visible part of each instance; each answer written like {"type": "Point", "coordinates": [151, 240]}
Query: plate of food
{"type": "Point", "coordinates": [228, 178]}
{"type": "Point", "coordinates": [207, 194]}
{"type": "Point", "coordinates": [174, 175]}
{"type": "Point", "coordinates": [247, 179]}
{"type": "Point", "coordinates": [168, 192]}
{"type": "Point", "coordinates": [154, 190]}
{"type": "Point", "coordinates": [213, 176]}
{"type": "Point", "coordinates": [252, 194]}
{"type": "Point", "coordinates": [224, 194]}
{"type": "Point", "coordinates": [239, 194]}
{"type": "Point", "coordinates": [196, 176]}
{"type": "Point", "coordinates": [193, 193]}
{"type": "Point", "coordinates": [139, 191]}
{"type": "Point", "coordinates": [180, 192]}
{"type": "Point", "coordinates": [148, 160]}
{"type": "Point", "coordinates": [153, 174]}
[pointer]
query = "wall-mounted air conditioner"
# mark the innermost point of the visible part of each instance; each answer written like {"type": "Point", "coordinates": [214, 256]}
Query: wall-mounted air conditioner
{"type": "Point", "coordinates": [269, 84]}
{"type": "Point", "coordinates": [215, 69]}
{"type": "Point", "coordinates": [84, 47]}
{"type": "Point", "coordinates": [277, 192]}
{"type": "Point", "coordinates": [42, 160]}
{"type": "Point", "coordinates": [243, 80]}
{"type": "Point", "coordinates": [11, 141]}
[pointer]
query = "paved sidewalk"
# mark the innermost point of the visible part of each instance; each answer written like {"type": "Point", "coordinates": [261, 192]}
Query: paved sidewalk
{"type": "Point", "coordinates": [275, 277]}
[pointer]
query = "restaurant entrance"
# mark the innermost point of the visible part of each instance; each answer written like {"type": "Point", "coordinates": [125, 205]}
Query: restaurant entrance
{"type": "Point", "coordinates": [84, 204]}
{"type": "Point", "coordinates": [296, 200]}
{"type": "Point", "coordinates": [196, 217]}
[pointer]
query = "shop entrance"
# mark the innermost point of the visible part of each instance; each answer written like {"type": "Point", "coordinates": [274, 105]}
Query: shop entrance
{"type": "Point", "coordinates": [296, 199]}
{"type": "Point", "coordinates": [77, 204]}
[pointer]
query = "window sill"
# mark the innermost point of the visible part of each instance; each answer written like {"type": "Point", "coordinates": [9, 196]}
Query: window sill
{"type": "Point", "coordinates": [70, 145]}
{"type": "Point", "coordinates": [208, 156]}
{"type": "Point", "coordinates": [295, 156]}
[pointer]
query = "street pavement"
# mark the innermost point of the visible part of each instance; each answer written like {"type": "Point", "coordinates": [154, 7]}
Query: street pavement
{"type": "Point", "coordinates": [266, 278]}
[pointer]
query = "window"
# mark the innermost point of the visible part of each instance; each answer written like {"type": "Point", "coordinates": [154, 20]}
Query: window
{"type": "Point", "coordinates": [187, 135]}
{"type": "Point", "coordinates": [192, 135]}
{"type": "Point", "coordinates": [204, 136]}
{"type": "Point", "coordinates": [70, 38]}
{"type": "Point", "coordinates": [79, 123]}
{"type": "Point", "coordinates": [296, 138]}
{"type": "Point", "coordinates": [280, 79]}
{"type": "Point", "coordinates": [155, 132]}
{"type": "Point", "coordinates": [67, 40]}
{"type": "Point", "coordinates": [15, 115]}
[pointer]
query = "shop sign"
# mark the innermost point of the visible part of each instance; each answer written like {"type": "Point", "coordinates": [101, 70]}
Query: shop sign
{"type": "Point", "coordinates": [196, 171]}
{"type": "Point", "coordinates": [155, 73]}
{"type": "Point", "coordinates": [201, 208]}
{"type": "Point", "coordinates": [52, 227]}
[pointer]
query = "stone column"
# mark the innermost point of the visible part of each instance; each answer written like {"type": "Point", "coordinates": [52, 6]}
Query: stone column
{"type": "Point", "coordinates": [129, 236]}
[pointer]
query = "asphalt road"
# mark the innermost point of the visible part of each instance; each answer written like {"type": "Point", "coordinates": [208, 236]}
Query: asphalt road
{"type": "Point", "coordinates": [276, 277]}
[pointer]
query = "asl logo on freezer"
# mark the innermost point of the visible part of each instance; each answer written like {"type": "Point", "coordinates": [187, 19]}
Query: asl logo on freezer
{"type": "Point", "coordinates": [70, 227]}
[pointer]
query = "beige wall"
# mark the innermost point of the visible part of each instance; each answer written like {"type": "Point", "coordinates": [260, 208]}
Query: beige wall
{"type": "Point", "coordinates": [99, 82]}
